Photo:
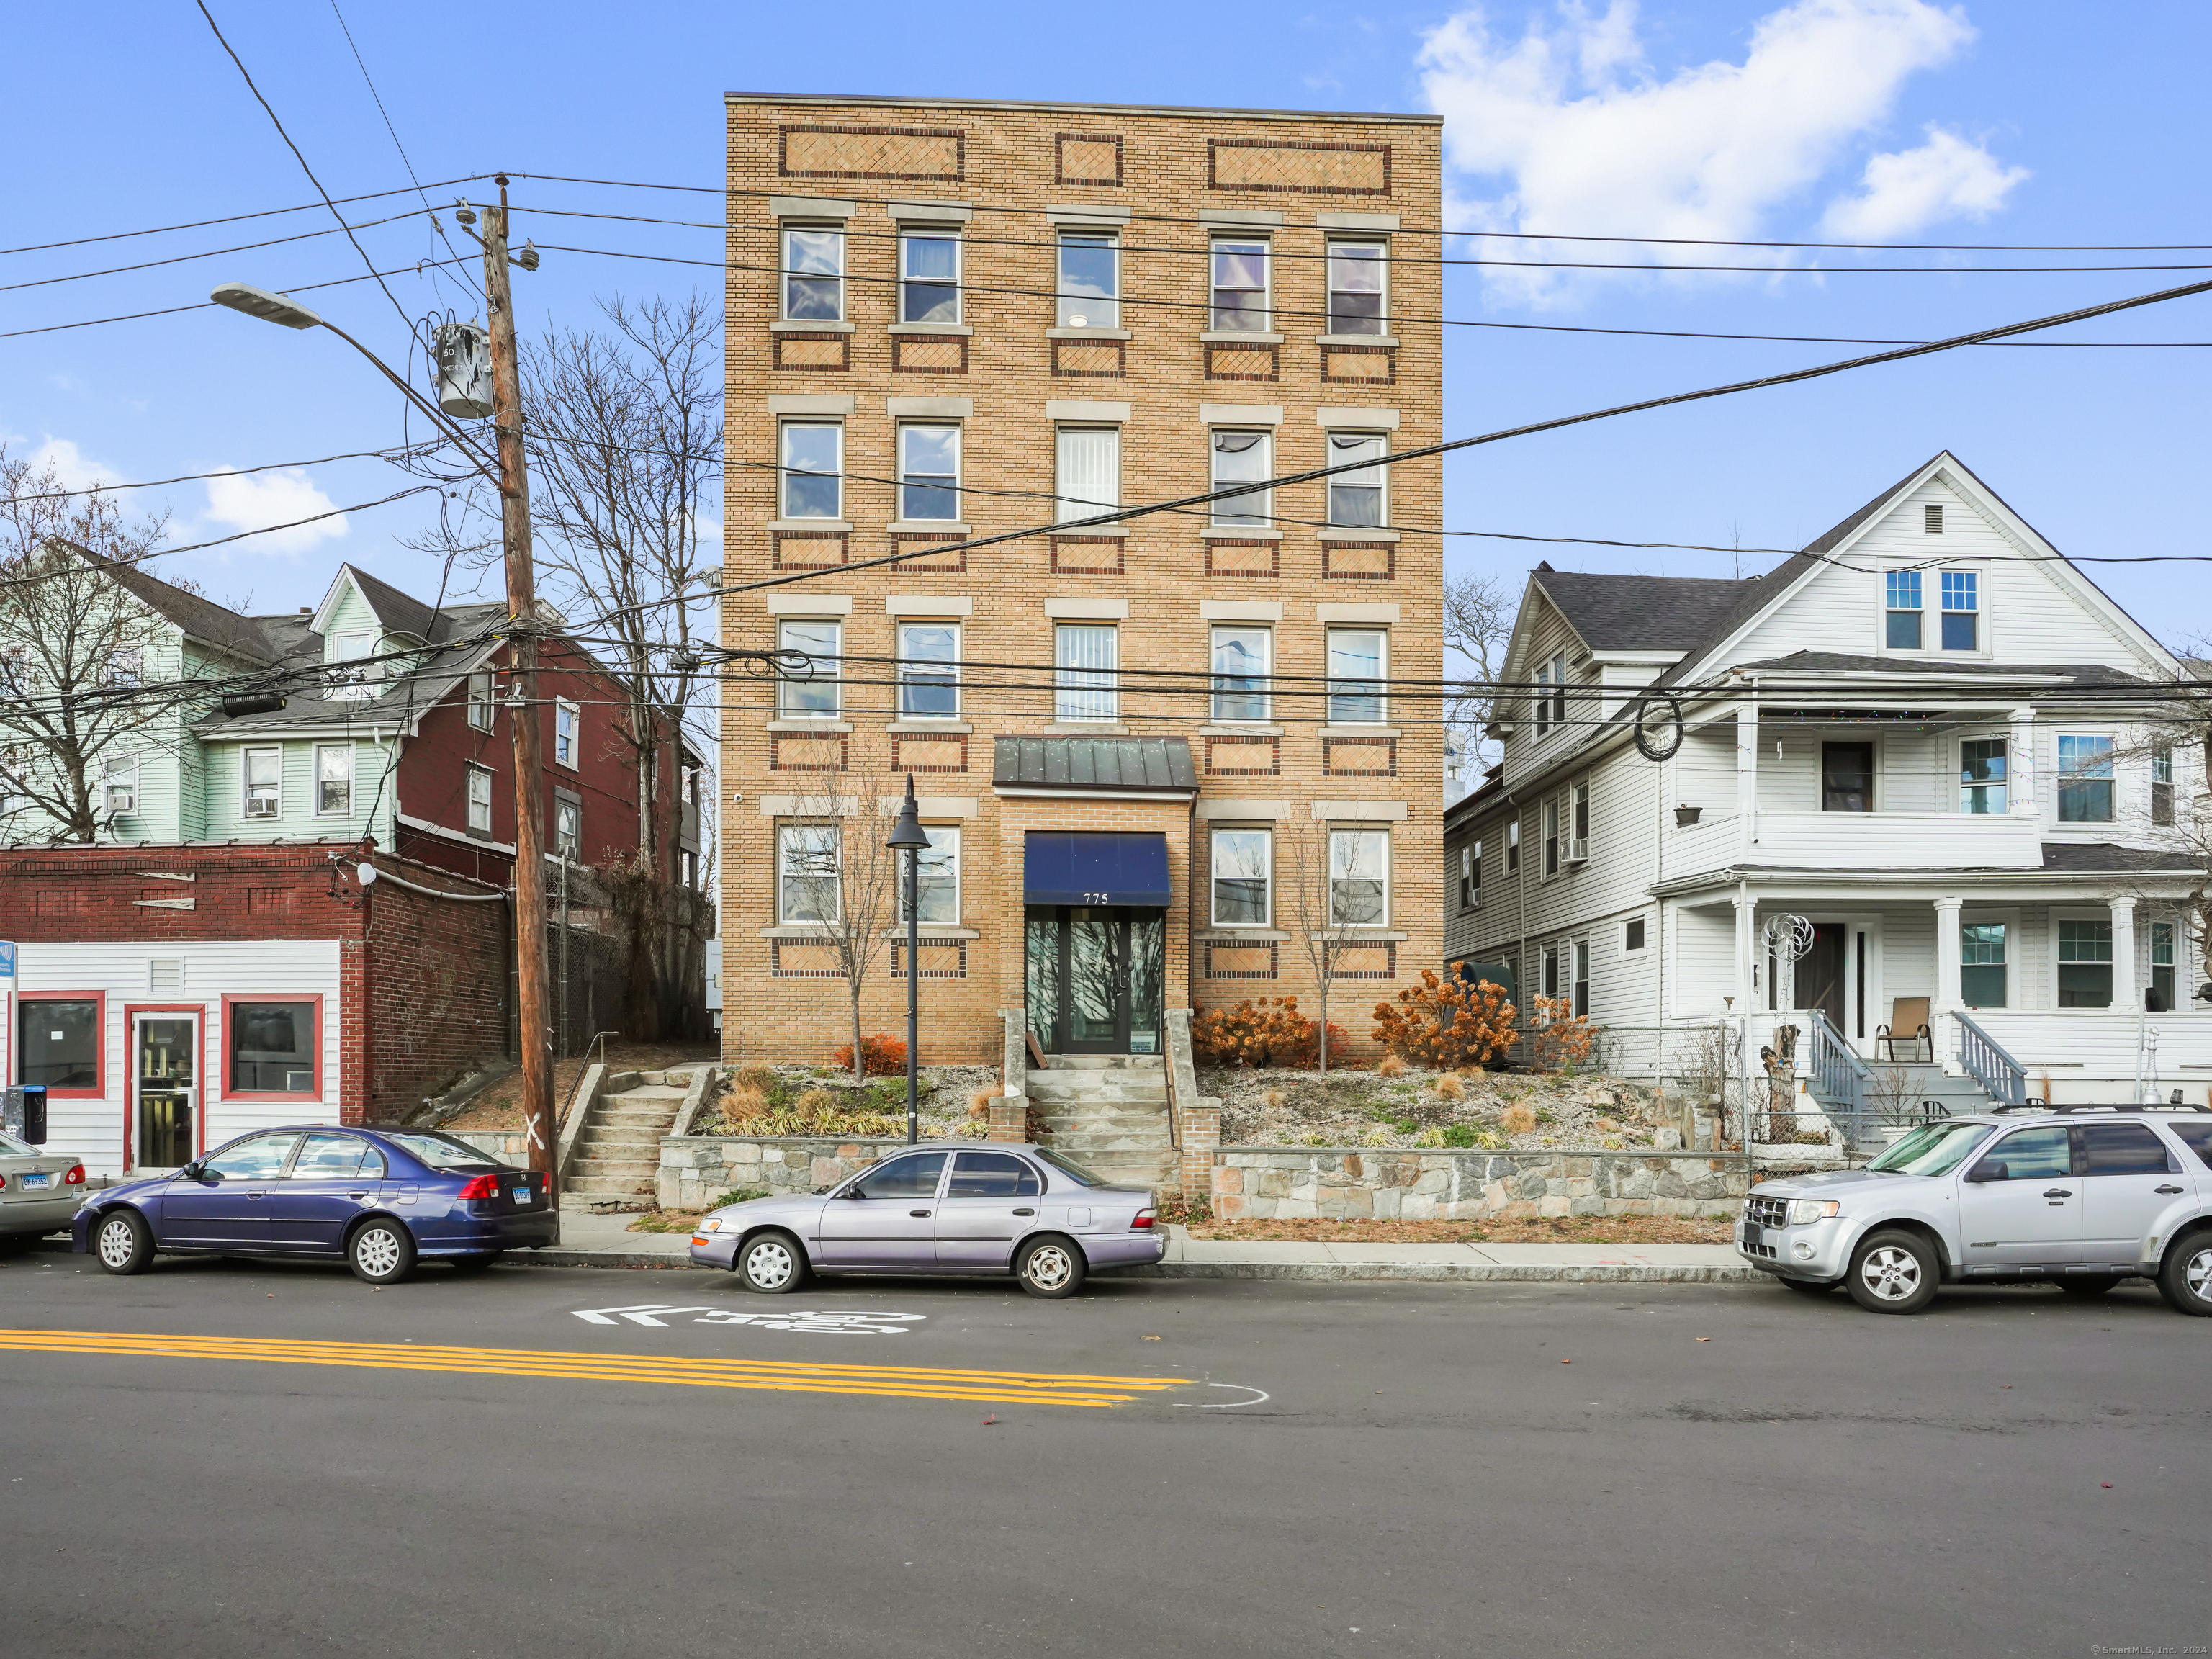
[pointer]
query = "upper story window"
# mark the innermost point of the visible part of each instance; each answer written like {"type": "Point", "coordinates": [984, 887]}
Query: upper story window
{"type": "Point", "coordinates": [125, 667]}
{"type": "Point", "coordinates": [813, 274]}
{"type": "Point", "coordinates": [1090, 282]}
{"type": "Point", "coordinates": [1240, 285]}
{"type": "Point", "coordinates": [479, 801]}
{"type": "Point", "coordinates": [929, 671]}
{"type": "Point", "coordinates": [1241, 651]}
{"type": "Point", "coordinates": [1578, 821]}
{"type": "Point", "coordinates": [482, 687]}
{"type": "Point", "coordinates": [352, 647]}
{"type": "Point", "coordinates": [2159, 992]}
{"type": "Point", "coordinates": [1243, 868]}
{"type": "Point", "coordinates": [1357, 659]}
{"type": "Point", "coordinates": [1243, 457]}
{"type": "Point", "coordinates": [1903, 599]}
{"type": "Point", "coordinates": [807, 654]}
{"type": "Point", "coordinates": [813, 463]}
{"type": "Point", "coordinates": [2085, 779]}
{"type": "Point", "coordinates": [1356, 288]}
{"type": "Point", "coordinates": [929, 472]}
{"type": "Point", "coordinates": [120, 783]}
{"type": "Point", "coordinates": [1551, 693]}
{"type": "Point", "coordinates": [568, 723]}
{"type": "Point", "coordinates": [1551, 838]}
{"type": "Point", "coordinates": [1962, 605]}
{"type": "Point", "coordinates": [1470, 875]}
{"type": "Point", "coordinates": [1359, 879]}
{"type": "Point", "coordinates": [334, 780]}
{"type": "Point", "coordinates": [1847, 777]}
{"type": "Point", "coordinates": [1982, 775]}
{"type": "Point", "coordinates": [1085, 657]}
{"type": "Point", "coordinates": [568, 827]}
{"type": "Point", "coordinates": [929, 277]}
{"type": "Point", "coordinates": [2161, 785]}
{"type": "Point", "coordinates": [263, 770]}
{"type": "Point", "coordinates": [1512, 846]}
{"type": "Point", "coordinates": [1355, 499]}
{"type": "Point", "coordinates": [1088, 471]}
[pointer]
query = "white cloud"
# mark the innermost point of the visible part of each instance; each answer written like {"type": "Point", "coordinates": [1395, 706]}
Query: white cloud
{"type": "Point", "coordinates": [1907, 191]}
{"type": "Point", "coordinates": [239, 500]}
{"type": "Point", "coordinates": [1591, 142]}
{"type": "Point", "coordinates": [76, 469]}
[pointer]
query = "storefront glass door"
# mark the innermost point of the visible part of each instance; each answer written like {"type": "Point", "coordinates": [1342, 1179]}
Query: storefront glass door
{"type": "Point", "coordinates": [164, 1049]}
{"type": "Point", "coordinates": [1095, 978]}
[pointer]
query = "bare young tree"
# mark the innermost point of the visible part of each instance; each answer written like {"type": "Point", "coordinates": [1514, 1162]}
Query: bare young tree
{"type": "Point", "coordinates": [834, 872]}
{"type": "Point", "coordinates": [86, 677]}
{"type": "Point", "coordinates": [1478, 613]}
{"type": "Point", "coordinates": [1325, 891]}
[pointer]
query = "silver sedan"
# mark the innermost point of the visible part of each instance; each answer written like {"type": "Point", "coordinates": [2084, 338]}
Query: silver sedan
{"type": "Point", "coordinates": [941, 1207]}
{"type": "Point", "coordinates": [38, 1191]}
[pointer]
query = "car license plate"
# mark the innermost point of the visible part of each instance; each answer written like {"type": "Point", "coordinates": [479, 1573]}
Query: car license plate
{"type": "Point", "coordinates": [37, 1181]}
{"type": "Point", "coordinates": [522, 1195]}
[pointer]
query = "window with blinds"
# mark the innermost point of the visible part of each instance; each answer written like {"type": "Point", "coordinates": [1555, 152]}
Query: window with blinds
{"type": "Point", "coordinates": [1090, 471]}
{"type": "Point", "coordinates": [1085, 655]}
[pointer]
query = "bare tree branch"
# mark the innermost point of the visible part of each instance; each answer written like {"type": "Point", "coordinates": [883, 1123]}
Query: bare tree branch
{"type": "Point", "coordinates": [1479, 612]}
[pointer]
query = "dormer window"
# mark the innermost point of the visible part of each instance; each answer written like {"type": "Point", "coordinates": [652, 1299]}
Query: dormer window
{"type": "Point", "coordinates": [352, 647]}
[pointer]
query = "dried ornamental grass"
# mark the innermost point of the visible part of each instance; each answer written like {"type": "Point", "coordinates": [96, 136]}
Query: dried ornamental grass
{"type": "Point", "coordinates": [1517, 1119]}
{"type": "Point", "coordinates": [1274, 1097]}
{"type": "Point", "coordinates": [1389, 1066]}
{"type": "Point", "coordinates": [979, 1103]}
{"type": "Point", "coordinates": [1450, 1088]}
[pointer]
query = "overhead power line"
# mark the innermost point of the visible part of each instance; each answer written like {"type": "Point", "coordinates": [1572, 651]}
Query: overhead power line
{"type": "Point", "coordinates": [212, 253]}
{"type": "Point", "coordinates": [235, 218]}
{"type": "Point", "coordinates": [376, 276]}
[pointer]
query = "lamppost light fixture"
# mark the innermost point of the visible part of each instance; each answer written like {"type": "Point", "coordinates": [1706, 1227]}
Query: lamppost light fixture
{"type": "Point", "coordinates": [909, 837]}
{"type": "Point", "coordinates": [260, 303]}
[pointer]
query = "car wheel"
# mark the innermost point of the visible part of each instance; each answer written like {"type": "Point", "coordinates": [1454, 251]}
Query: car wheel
{"type": "Point", "coordinates": [1894, 1272]}
{"type": "Point", "coordinates": [381, 1252]}
{"type": "Point", "coordinates": [123, 1242]}
{"type": "Point", "coordinates": [474, 1264]}
{"type": "Point", "coordinates": [2186, 1280]}
{"type": "Point", "coordinates": [2086, 1284]}
{"type": "Point", "coordinates": [1808, 1287]}
{"type": "Point", "coordinates": [1050, 1267]}
{"type": "Point", "coordinates": [771, 1264]}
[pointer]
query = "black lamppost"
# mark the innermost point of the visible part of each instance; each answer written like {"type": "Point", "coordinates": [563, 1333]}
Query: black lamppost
{"type": "Point", "coordinates": [910, 837]}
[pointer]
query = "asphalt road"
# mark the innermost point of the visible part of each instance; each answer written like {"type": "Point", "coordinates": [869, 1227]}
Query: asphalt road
{"type": "Point", "coordinates": [270, 1459]}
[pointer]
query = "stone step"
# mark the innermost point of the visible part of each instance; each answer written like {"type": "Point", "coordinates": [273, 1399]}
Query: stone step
{"type": "Point", "coordinates": [1102, 1096]}
{"type": "Point", "coordinates": [635, 1115]}
{"type": "Point", "coordinates": [621, 1185]}
{"type": "Point", "coordinates": [638, 1168]}
{"type": "Point", "coordinates": [601, 1143]}
{"type": "Point", "coordinates": [1104, 1063]}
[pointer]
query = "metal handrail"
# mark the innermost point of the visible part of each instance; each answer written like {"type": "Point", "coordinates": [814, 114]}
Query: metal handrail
{"type": "Point", "coordinates": [599, 1040]}
{"type": "Point", "coordinates": [1838, 1071]}
{"type": "Point", "coordinates": [2003, 1079]}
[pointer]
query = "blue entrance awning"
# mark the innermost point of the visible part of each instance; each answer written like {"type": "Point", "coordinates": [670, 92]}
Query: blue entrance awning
{"type": "Point", "coordinates": [1079, 866]}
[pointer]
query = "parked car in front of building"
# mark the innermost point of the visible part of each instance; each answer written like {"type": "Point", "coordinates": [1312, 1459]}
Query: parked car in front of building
{"type": "Point", "coordinates": [380, 1200]}
{"type": "Point", "coordinates": [952, 1208]}
{"type": "Point", "coordinates": [2080, 1197]}
{"type": "Point", "coordinates": [38, 1191]}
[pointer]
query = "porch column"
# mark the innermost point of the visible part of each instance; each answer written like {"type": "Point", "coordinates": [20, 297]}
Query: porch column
{"type": "Point", "coordinates": [1746, 772]}
{"type": "Point", "coordinates": [2019, 766]}
{"type": "Point", "coordinates": [1746, 940]}
{"type": "Point", "coordinates": [1948, 994]}
{"type": "Point", "coordinates": [2124, 992]}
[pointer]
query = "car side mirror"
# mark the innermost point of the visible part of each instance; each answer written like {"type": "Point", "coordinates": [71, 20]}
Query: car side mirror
{"type": "Point", "coordinates": [1987, 1172]}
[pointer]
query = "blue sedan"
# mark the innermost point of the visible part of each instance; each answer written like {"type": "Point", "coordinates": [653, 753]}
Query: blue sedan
{"type": "Point", "coordinates": [381, 1199]}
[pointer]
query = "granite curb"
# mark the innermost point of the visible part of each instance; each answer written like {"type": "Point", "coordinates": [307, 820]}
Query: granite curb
{"type": "Point", "coordinates": [1525, 1273]}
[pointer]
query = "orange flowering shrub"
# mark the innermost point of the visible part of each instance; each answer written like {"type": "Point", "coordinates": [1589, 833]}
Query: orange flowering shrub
{"type": "Point", "coordinates": [1269, 1032]}
{"type": "Point", "coordinates": [1560, 1038]}
{"type": "Point", "coordinates": [886, 1056]}
{"type": "Point", "coordinates": [1446, 1024]}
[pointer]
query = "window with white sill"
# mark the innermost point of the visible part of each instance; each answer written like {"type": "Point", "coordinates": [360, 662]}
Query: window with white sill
{"type": "Point", "coordinates": [1358, 660]}
{"type": "Point", "coordinates": [480, 781]}
{"type": "Point", "coordinates": [810, 887]}
{"type": "Point", "coordinates": [938, 877]}
{"type": "Point", "coordinates": [1243, 457]}
{"type": "Point", "coordinates": [1240, 285]}
{"type": "Point", "coordinates": [1086, 657]}
{"type": "Point", "coordinates": [1241, 654]}
{"type": "Point", "coordinates": [929, 473]}
{"type": "Point", "coordinates": [813, 463]}
{"type": "Point", "coordinates": [1359, 879]}
{"type": "Point", "coordinates": [929, 277]}
{"type": "Point", "coordinates": [333, 779]}
{"type": "Point", "coordinates": [813, 274]}
{"type": "Point", "coordinates": [808, 654]}
{"type": "Point", "coordinates": [1358, 275]}
{"type": "Point", "coordinates": [1088, 464]}
{"type": "Point", "coordinates": [1090, 281]}
{"type": "Point", "coordinates": [1356, 498]}
{"type": "Point", "coordinates": [928, 671]}
{"type": "Point", "coordinates": [1244, 872]}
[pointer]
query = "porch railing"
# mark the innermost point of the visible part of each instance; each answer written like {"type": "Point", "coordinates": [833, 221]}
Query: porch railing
{"type": "Point", "coordinates": [1839, 1078]}
{"type": "Point", "coordinates": [2001, 1076]}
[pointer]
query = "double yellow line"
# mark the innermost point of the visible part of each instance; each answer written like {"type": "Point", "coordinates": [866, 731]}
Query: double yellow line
{"type": "Point", "coordinates": [892, 1381]}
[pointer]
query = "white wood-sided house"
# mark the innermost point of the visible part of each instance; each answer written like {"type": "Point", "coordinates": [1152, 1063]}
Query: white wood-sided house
{"type": "Point", "coordinates": [1929, 735]}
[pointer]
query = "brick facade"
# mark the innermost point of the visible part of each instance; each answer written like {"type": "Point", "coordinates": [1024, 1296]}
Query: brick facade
{"type": "Point", "coordinates": [995, 170]}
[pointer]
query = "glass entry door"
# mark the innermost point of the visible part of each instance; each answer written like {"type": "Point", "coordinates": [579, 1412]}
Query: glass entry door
{"type": "Point", "coordinates": [1095, 978]}
{"type": "Point", "coordinates": [165, 1050]}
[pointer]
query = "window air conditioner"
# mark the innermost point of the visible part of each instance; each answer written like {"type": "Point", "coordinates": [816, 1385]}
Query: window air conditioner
{"type": "Point", "coordinates": [1579, 851]}
{"type": "Point", "coordinates": [260, 809]}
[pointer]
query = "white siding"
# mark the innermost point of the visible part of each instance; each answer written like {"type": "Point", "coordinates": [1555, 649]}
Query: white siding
{"type": "Point", "coordinates": [279, 970]}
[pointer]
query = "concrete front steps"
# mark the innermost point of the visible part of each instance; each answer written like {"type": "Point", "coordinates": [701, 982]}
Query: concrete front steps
{"type": "Point", "coordinates": [1923, 1082]}
{"type": "Point", "coordinates": [617, 1152]}
{"type": "Point", "coordinates": [1110, 1113]}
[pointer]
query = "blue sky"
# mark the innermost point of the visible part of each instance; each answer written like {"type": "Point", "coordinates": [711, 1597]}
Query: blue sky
{"type": "Point", "coordinates": [1826, 119]}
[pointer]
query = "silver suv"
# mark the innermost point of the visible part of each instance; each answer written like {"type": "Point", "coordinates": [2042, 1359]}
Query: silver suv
{"type": "Point", "coordinates": [2081, 1196]}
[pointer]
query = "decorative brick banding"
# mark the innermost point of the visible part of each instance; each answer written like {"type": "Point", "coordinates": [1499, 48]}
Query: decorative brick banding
{"type": "Point", "coordinates": [808, 550]}
{"type": "Point", "coordinates": [940, 958]}
{"type": "Point", "coordinates": [1087, 556]}
{"type": "Point", "coordinates": [1235, 556]}
{"type": "Point", "coordinates": [1359, 561]}
{"type": "Point", "coordinates": [841, 151]}
{"type": "Point", "coordinates": [915, 752]}
{"type": "Point", "coordinates": [817, 751]}
{"type": "Point", "coordinates": [1243, 362]}
{"type": "Point", "coordinates": [1360, 365]}
{"type": "Point", "coordinates": [910, 541]}
{"type": "Point", "coordinates": [1263, 164]}
{"type": "Point", "coordinates": [832, 352]}
{"type": "Point", "coordinates": [1254, 961]}
{"type": "Point", "coordinates": [1087, 158]}
{"type": "Point", "coordinates": [929, 354]}
{"type": "Point", "coordinates": [1091, 359]}
{"type": "Point", "coordinates": [1244, 757]}
{"type": "Point", "coordinates": [1359, 757]}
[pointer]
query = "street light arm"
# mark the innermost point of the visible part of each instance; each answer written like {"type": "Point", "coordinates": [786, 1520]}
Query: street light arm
{"type": "Point", "coordinates": [436, 415]}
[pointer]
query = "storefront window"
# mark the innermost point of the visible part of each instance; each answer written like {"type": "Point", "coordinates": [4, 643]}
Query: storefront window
{"type": "Point", "coordinates": [59, 1042]}
{"type": "Point", "coordinates": [272, 1047]}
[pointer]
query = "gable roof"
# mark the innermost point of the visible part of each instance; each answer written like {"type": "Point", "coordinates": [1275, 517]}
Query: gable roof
{"type": "Point", "coordinates": [398, 612]}
{"type": "Point", "coordinates": [202, 619]}
{"type": "Point", "coordinates": [1638, 613]}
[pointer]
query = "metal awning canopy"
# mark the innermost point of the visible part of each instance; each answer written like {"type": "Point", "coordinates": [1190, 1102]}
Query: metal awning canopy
{"type": "Point", "coordinates": [1124, 765]}
{"type": "Point", "coordinates": [1095, 867]}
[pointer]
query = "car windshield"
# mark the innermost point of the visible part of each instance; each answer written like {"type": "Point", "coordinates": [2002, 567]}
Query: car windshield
{"type": "Point", "coordinates": [1068, 1167]}
{"type": "Point", "coordinates": [1933, 1149]}
{"type": "Point", "coordinates": [11, 1148]}
{"type": "Point", "coordinates": [440, 1151]}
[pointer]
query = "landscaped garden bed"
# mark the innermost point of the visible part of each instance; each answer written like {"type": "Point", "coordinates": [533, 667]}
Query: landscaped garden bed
{"type": "Point", "coordinates": [823, 1100]}
{"type": "Point", "coordinates": [1406, 1109]}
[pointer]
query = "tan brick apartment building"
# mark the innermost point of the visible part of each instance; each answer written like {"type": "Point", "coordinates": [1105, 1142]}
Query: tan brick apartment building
{"type": "Point", "coordinates": [988, 316]}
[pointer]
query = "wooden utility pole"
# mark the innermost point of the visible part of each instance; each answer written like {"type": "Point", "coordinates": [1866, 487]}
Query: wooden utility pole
{"type": "Point", "coordinates": [523, 705]}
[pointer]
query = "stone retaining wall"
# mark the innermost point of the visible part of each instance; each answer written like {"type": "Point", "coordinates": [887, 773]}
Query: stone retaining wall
{"type": "Point", "coordinates": [697, 1170]}
{"type": "Point", "coordinates": [1254, 1183]}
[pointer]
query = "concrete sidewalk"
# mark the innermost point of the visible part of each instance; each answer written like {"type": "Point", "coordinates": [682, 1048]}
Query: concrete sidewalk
{"type": "Point", "coordinates": [595, 1240]}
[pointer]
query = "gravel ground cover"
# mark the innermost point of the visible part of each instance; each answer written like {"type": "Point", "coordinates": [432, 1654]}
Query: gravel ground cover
{"type": "Point", "coordinates": [1502, 1111]}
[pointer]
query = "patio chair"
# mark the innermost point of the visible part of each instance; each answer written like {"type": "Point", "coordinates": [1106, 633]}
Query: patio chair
{"type": "Point", "coordinates": [1908, 1026]}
